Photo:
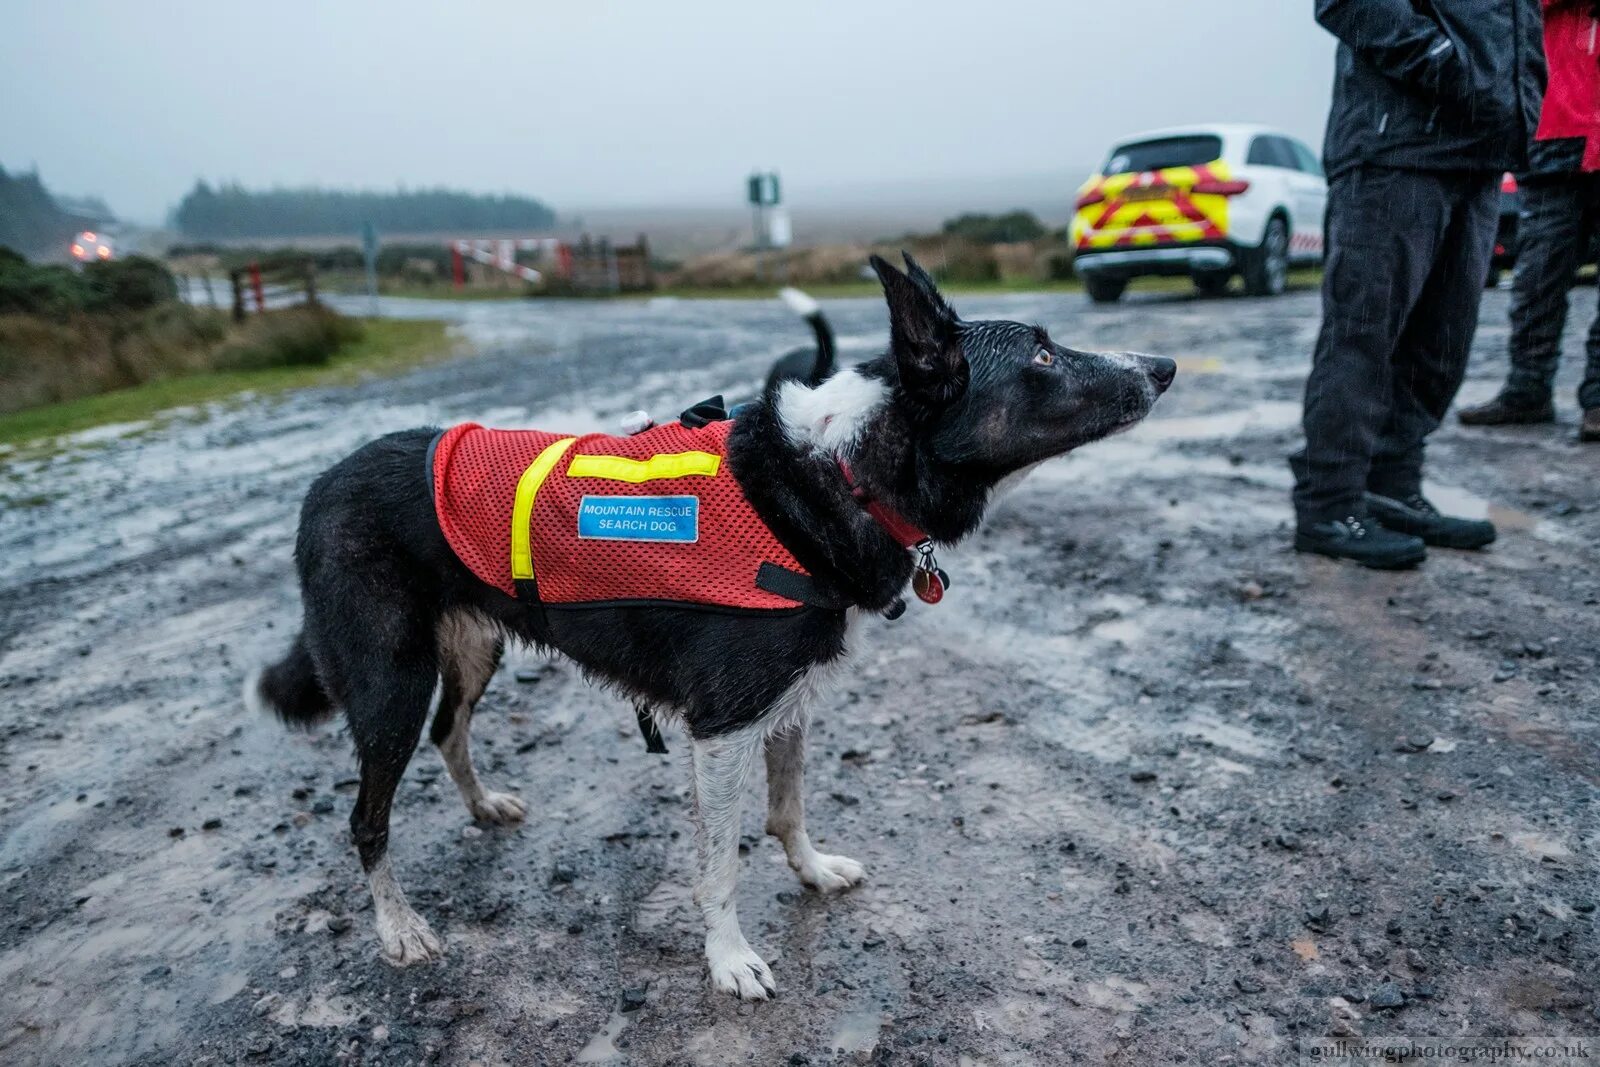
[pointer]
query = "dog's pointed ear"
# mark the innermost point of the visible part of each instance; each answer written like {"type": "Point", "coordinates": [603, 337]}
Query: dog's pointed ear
{"type": "Point", "coordinates": [923, 335]}
{"type": "Point", "coordinates": [923, 281]}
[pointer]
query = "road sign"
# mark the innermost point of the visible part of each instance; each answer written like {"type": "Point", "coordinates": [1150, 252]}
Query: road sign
{"type": "Point", "coordinates": [762, 189]}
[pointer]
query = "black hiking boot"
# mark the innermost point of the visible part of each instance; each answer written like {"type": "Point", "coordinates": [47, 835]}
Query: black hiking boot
{"type": "Point", "coordinates": [1363, 540]}
{"type": "Point", "coordinates": [1508, 409]}
{"type": "Point", "coordinates": [1415, 516]}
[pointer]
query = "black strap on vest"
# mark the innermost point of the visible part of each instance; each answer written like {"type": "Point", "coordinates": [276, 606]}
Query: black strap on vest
{"type": "Point", "coordinates": [712, 409]}
{"type": "Point", "coordinates": [792, 585]}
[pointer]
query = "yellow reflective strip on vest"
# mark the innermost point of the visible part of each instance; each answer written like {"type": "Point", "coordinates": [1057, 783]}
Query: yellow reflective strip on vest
{"type": "Point", "coordinates": [522, 509]}
{"type": "Point", "coordinates": [667, 465]}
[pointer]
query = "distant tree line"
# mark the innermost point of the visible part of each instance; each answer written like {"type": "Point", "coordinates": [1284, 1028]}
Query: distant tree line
{"type": "Point", "coordinates": [30, 219]}
{"type": "Point", "coordinates": [231, 211]}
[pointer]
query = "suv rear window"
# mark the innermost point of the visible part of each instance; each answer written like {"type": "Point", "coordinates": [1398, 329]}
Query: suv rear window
{"type": "Point", "coordinates": [1268, 151]}
{"type": "Point", "coordinates": [1188, 151]}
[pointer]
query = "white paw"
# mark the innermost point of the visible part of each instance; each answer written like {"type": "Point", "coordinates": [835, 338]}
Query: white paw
{"type": "Point", "coordinates": [406, 938]}
{"type": "Point", "coordinates": [829, 874]}
{"type": "Point", "coordinates": [500, 808]}
{"type": "Point", "coordinates": [738, 970]}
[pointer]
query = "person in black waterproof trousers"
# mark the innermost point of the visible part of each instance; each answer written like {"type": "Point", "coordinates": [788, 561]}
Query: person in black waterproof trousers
{"type": "Point", "coordinates": [1432, 102]}
{"type": "Point", "coordinates": [1559, 225]}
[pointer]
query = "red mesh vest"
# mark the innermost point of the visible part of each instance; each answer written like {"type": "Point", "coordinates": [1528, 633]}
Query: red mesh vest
{"type": "Point", "coordinates": [656, 516]}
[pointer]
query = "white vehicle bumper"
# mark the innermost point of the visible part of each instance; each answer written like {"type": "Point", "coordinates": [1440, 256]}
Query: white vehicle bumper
{"type": "Point", "coordinates": [1178, 260]}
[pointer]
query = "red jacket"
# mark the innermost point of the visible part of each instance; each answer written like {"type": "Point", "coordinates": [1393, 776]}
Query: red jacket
{"type": "Point", "coordinates": [655, 517]}
{"type": "Point", "coordinates": [1572, 95]}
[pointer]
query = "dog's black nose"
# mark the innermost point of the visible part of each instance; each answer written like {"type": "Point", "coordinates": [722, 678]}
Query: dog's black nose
{"type": "Point", "coordinates": [1162, 371]}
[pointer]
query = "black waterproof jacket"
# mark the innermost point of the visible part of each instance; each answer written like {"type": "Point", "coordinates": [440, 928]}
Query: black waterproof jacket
{"type": "Point", "coordinates": [1433, 84]}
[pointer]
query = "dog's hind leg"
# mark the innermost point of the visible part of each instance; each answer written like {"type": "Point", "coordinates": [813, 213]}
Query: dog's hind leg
{"type": "Point", "coordinates": [786, 815]}
{"type": "Point", "coordinates": [379, 660]}
{"type": "Point", "coordinates": [469, 652]}
{"type": "Point", "coordinates": [386, 722]}
{"type": "Point", "coordinates": [721, 768]}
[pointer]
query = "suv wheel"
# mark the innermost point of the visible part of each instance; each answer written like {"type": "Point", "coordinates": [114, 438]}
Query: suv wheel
{"type": "Point", "coordinates": [1266, 268]}
{"type": "Point", "coordinates": [1104, 290]}
{"type": "Point", "coordinates": [1212, 282]}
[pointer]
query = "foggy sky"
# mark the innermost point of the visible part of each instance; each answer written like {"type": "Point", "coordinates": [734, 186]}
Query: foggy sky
{"type": "Point", "coordinates": [589, 104]}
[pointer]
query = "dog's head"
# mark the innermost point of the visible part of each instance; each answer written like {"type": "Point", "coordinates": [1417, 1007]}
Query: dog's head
{"type": "Point", "coordinates": [995, 396]}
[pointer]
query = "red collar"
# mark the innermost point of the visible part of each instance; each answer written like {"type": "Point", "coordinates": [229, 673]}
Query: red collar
{"type": "Point", "coordinates": [894, 524]}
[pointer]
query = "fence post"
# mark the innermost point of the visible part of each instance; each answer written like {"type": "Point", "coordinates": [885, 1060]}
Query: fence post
{"type": "Point", "coordinates": [458, 266]}
{"type": "Point", "coordinates": [255, 286]}
{"type": "Point", "coordinates": [647, 276]}
{"type": "Point", "coordinates": [311, 281]}
{"type": "Point", "coordinates": [236, 279]}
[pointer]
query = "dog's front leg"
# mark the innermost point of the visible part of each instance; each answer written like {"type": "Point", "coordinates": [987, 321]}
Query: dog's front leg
{"type": "Point", "coordinates": [786, 815]}
{"type": "Point", "coordinates": [721, 766]}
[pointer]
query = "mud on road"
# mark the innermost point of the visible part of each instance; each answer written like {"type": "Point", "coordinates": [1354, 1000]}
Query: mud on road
{"type": "Point", "coordinates": [1146, 787]}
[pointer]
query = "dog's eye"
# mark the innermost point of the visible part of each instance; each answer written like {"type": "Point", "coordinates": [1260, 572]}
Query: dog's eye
{"type": "Point", "coordinates": [1044, 357]}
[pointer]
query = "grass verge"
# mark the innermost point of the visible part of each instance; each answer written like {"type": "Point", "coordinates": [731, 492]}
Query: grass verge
{"type": "Point", "coordinates": [350, 284]}
{"type": "Point", "coordinates": [385, 347]}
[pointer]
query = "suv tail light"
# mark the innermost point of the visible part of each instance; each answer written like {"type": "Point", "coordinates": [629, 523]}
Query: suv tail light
{"type": "Point", "coordinates": [1214, 187]}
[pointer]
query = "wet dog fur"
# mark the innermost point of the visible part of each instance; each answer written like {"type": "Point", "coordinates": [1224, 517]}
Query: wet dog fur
{"type": "Point", "coordinates": [931, 428]}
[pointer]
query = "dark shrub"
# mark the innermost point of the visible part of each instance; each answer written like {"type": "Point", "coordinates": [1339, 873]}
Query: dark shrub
{"type": "Point", "coordinates": [996, 229]}
{"type": "Point", "coordinates": [303, 336]}
{"type": "Point", "coordinates": [960, 262]}
{"type": "Point", "coordinates": [54, 292]}
{"type": "Point", "coordinates": [130, 284]}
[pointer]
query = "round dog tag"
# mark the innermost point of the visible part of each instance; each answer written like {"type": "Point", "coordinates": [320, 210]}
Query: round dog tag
{"type": "Point", "coordinates": [927, 586]}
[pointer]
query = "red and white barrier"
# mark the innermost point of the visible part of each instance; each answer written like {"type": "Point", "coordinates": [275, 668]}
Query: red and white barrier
{"type": "Point", "coordinates": [501, 254]}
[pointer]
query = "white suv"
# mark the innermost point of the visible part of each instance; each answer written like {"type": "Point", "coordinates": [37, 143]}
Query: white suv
{"type": "Point", "coordinates": [1206, 201]}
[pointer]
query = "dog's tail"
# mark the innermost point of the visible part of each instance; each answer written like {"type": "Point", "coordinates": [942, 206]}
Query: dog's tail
{"type": "Point", "coordinates": [289, 689]}
{"type": "Point", "coordinates": [806, 306]}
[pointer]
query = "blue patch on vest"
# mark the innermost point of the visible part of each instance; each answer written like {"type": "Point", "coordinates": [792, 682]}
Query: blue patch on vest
{"type": "Point", "coordinates": [639, 518]}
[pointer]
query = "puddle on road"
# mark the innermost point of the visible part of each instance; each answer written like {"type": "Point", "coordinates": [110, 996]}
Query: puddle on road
{"type": "Point", "coordinates": [1454, 501]}
{"type": "Point", "coordinates": [176, 917]}
{"type": "Point", "coordinates": [1269, 415]}
{"type": "Point", "coordinates": [602, 1047]}
{"type": "Point", "coordinates": [856, 1032]}
{"type": "Point", "coordinates": [1199, 365]}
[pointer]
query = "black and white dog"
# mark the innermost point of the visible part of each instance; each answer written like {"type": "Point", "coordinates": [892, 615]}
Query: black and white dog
{"type": "Point", "coordinates": [923, 433]}
{"type": "Point", "coordinates": [808, 366]}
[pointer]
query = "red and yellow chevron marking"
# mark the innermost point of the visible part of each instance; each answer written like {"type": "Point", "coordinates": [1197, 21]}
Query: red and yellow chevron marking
{"type": "Point", "coordinates": [1155, 207]}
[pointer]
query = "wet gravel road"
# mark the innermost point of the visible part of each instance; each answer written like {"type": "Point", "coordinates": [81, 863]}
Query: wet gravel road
{"type": "Point", "coordinates": [1146, 788]}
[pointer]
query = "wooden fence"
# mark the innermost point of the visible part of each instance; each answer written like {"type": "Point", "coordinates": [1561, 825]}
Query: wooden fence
{"type": "Point", "coordinates": [602, 267]}
{"type": "Point", "coordinates": [271, 285]}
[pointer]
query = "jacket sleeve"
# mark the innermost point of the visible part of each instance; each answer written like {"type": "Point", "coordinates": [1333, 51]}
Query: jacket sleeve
{"type": "Point", "coordinates": [1402, 43]}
